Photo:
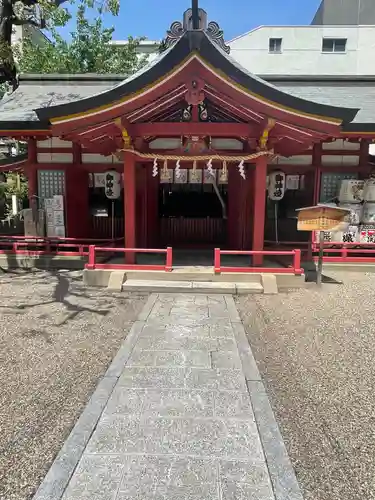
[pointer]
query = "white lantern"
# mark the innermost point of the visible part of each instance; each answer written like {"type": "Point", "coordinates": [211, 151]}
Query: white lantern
{"type": "Point", "coordinates": [276, 187]}
{"type": "Point", "coordinates": [112, 185]}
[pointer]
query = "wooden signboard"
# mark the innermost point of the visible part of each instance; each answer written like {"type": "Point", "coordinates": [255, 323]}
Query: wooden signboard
{"type": "Point", "coordinates": [321, 218]}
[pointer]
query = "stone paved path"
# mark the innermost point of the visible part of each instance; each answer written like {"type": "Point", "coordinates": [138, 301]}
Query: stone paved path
{"type": "Point", "coordinates": [179, 424]}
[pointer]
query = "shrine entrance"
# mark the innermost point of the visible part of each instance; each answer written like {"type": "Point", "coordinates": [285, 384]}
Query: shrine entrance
{"type": "Point", "coordinates": [193, 214]}
{"type": "Point", "coordinates": [190, 113]}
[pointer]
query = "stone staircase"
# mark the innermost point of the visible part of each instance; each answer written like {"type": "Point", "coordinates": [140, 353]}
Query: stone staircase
{"type": "Point", "coordinates": [193, 279]}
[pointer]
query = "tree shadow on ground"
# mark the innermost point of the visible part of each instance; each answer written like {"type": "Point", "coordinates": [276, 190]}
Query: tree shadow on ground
{"type": "Point", "coordinates": [60, 295]}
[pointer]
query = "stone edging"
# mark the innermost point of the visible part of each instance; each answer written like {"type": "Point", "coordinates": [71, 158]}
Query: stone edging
{"type": "Point", "coordinates": [281, 471]}
{"type": "Point", "coordinates": [55, 482]}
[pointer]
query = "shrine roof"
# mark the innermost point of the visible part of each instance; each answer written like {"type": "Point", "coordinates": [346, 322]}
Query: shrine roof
{"type": "Point", "coordinates": [39, 91]}
{"type": "Point", "coordinates": [195, 43]}
{"type": "Point", "coordinates": [40, 98]}
{"type": "Point", "coordinates": [13, 162]}
{"type": "Point", "coordinates": [358, 91]}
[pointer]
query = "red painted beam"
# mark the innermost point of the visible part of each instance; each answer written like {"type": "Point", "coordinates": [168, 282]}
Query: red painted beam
{"type": "Point", "coordinates": [164, 102]}
{"type": "Point", "coordinates": [165, 129]}
{"type": "Point", "coordinates": [26, 134]}
{"type": "Point", "coordinates": [226, 102]}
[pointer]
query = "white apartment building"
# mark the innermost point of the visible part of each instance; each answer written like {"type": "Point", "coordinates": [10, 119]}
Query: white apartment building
{"type": "Point", "coordinates": [340, 41]}
{"type": "Point", "coordinates": [307, 50]}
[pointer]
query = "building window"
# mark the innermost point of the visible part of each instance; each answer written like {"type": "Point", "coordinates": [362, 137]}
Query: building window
{"type": "Point", "coordinates": [275, 45]}
{"type": "Point", "coordinates": [334, 45]}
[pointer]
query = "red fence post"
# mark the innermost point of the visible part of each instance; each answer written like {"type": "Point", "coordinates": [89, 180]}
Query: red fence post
{"type": "Point", "coordinates": [91, 263]}
{"type": "Point", "coordinates": [297, 262]}
{"type": "Point", "coordinates": [344, 252]}
{"type": "Point", "coordinates": [168, 264]}
{"type": "Point", "coordinates": [217, 265]}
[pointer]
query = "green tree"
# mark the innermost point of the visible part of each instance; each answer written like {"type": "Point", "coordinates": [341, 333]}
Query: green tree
{"type": "Point", "coordinates": [88, 51]}
{"type": "Point", "coordinates": [13, 183]}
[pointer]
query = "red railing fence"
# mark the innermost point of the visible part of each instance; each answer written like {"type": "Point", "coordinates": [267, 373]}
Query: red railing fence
{"type": "Point", "coordinates": [35, 245]}
{"type": "Point", "coordinates": [94, 250]}
{"type": "Point", "coordinates": [295, 268]}
{"type": "Point", "coordinates": [347, 252]}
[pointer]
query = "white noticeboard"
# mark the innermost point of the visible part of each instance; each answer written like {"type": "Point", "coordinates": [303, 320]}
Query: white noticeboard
{"type": "Point", "coordinates": [58, 202]}
{"type": "Point", "coordinates": [292, 182]}
{"type": "Point", "coordinates": [58, 218]}
{"type": "Point", "coordinates": [55, 218]}
{"type": "Point", "coordinates": [99, 180]}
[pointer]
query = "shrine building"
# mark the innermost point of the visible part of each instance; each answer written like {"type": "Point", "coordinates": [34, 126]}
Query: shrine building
{"type": "Point", "coordinates": [202, 152]}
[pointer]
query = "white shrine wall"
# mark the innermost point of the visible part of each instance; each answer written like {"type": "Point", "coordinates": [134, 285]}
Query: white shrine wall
{"type": "Point", "coordinates": [51, 151]}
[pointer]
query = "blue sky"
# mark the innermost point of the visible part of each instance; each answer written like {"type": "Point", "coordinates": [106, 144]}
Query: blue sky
{"type": "Point", "coordinates": [151, 18]}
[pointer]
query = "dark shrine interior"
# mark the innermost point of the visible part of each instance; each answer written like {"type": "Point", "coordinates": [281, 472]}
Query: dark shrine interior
{"type": "Point", "coordinates": [191, 200]}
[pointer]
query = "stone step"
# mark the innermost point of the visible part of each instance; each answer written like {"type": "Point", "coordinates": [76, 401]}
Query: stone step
{"type": "Point", "coordinates": [160, 286]}
{"type": "Point", "coordinates": [194, 274]}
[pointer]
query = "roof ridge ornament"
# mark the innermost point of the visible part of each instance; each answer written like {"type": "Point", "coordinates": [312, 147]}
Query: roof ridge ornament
{"type": "Point", "coordinates": [178, 29]}
{"type": "Point", "coordinates": [175, 32]}
{"type": "Point", "coordinates": [217, 35]}
{"type": "Point", "coordinates": [195, 14]}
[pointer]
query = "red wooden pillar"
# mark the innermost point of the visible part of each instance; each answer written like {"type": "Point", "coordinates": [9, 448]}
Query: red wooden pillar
{"type": "Point", "coordinates": [234, 204]}
{"type": "Point", "coordinates": [130, 205]}
{"type": "Point", "coordinates": [77, 202]}
{"type": "Point", "coordinates": [153, 223]}
{"type": "Point", "coordinates": [31, 171]}
{"type": "Point", "coordinates": [317, 162]}
{"type": "Point", "coordinates": [260, 185]}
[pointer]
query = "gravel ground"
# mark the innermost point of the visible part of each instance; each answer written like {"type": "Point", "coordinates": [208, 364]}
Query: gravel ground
{"type": "Point", "coordinates": [316, 352]}
{"type": "Point", "coordinates": [56, 340]}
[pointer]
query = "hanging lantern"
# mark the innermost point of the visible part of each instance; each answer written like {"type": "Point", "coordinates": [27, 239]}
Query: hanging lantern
{"type": "Point", "coordinates": [241, 169]}
{"type": "Point", "coordinates": [276, 188]}
{"type": "Point", "coordinates": [155, 168]}
{"type": "Point", "coordinates": [112, 187]}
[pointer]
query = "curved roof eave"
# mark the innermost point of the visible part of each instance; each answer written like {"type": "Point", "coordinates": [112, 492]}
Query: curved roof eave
{"type": "Point", "coordinates": [198, 42]}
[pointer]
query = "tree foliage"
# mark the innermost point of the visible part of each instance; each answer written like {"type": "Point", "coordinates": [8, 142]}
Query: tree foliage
{"type": "Point", "coordinates": [13, 183]}
{"type": "Point", "coordinates": [88, 51]}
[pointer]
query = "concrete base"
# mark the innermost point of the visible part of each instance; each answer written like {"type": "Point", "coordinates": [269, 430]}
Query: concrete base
{"type": "Point", "coordinates": [99, 277]}
{"type": "Point", "coordinates": [178, 287]}
{"type": "Point", "coordinates": [194, 273]}
{"type": "Point", "coordinates": [349, 268]}
{"type": "Point", "coordinates": [289, 281]}
{"type": "Point", "coordinates": [116, 280]}
{"type": "Point", "coordinates": [269, 282]}
{"type": "Point", "coordinates": [246, 288]}
{"type": "Point", "coordinates": [41, 262]}
{"type": "Point", "coordinates": [194, 281]}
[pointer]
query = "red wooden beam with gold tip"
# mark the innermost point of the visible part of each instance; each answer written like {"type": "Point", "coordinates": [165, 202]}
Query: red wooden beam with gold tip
{"type": "Point", "coordinates": [125, 134]}
{"type": "Point", "coordinates": [263, 140]}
